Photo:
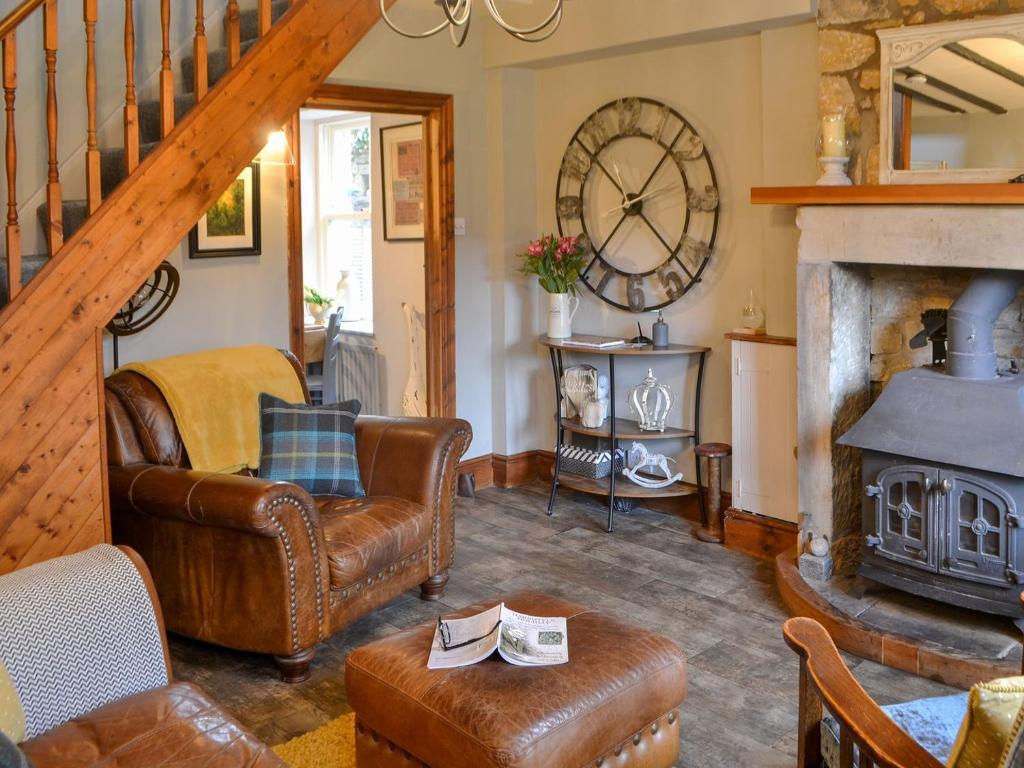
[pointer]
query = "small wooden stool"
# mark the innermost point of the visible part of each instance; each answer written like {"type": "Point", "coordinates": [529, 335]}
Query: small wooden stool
{"type": "Point", "coordinates": [711, 530]}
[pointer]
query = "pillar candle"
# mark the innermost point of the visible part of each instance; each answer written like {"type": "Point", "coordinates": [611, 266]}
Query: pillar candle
{"type": "Point", "coordinates": [833, 135]}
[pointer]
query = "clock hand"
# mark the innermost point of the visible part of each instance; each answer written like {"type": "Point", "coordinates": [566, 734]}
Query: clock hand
{"type": "Point", "coordinates": [628, 202]}
{"type": "Point", "coordinates": [618, 177]}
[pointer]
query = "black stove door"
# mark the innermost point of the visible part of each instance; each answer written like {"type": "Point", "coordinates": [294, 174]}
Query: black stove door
{"type": "Point", "coordinates": [904, 503]}
{"type": "Point", "coordinates": [979, 536]}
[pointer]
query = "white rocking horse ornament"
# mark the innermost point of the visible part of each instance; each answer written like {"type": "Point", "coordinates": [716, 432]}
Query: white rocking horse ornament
{"type": "Point", "coordinates": [640, 458]}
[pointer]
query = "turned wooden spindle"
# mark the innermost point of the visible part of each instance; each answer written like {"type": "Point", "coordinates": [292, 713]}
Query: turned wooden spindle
{"type": "Point", "coordinates": [131, 107]}
{"type": "Point", "coordinates": [199, 61]}
{"type": "Point", "coordinates": [166, 73]}
{"type": "Point", "coordinates": [55, 231]}
{"type": "Point", "coordinates": [12, 232]}
{"type": "Point", "coordinates": [265, 18]}
{"type": "Point", "coordinates": [233, 33]}
{"type": "Point", "coordinates": [93, 191]}
{"type": "Point", "coordinates": [711, 531]}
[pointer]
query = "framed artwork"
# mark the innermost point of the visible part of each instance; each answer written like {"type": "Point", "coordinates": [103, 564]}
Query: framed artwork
{"type": "Point", "coordinates": [402, 183]}
{"type": "Point", "coordinates": [231, 227]}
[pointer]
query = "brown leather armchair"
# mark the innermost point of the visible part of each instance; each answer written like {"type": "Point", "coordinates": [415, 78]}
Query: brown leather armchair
{"type": "Point", "coordinates": [263, 566]}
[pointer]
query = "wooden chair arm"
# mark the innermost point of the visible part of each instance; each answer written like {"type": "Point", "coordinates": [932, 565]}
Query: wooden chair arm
{"type": "Point", "coordinates": [861, 720]}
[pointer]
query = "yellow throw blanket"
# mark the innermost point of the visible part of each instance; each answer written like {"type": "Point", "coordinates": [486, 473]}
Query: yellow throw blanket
{"type": "Point", "coordinates": [214, 397]}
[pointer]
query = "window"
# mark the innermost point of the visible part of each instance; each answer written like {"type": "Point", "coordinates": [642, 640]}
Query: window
{"type": "Point", "coordinates": [345, 258]}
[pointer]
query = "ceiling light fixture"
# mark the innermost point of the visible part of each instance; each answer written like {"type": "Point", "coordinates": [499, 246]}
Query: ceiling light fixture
{"type": "Point", "coordinates": [458, 14]}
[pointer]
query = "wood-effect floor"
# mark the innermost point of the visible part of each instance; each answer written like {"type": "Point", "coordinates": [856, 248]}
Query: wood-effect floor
{"type": "Point", "coordinates": [719, 606]}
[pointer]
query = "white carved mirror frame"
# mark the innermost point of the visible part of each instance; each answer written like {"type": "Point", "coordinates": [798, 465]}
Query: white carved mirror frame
{"type": "Point", "coordinates": [904, 46]}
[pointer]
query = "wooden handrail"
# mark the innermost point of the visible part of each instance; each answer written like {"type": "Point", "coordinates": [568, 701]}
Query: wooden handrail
{"type": "Point", "coordinates": [13, 19]}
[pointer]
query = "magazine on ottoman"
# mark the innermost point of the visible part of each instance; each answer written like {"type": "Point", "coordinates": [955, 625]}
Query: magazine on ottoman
{"type": "Point", "coordinates": [520, 639]}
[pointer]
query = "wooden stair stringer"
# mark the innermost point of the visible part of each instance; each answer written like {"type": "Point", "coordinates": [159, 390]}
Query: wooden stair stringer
{"type": "Point", "coordinates": [99, 267]}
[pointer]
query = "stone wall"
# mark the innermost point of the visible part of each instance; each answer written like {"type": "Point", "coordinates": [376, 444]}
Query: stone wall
{"type": "Point", "coordinates": [848, 59]}
{"type": "Point", "coordinates": [898, 297]}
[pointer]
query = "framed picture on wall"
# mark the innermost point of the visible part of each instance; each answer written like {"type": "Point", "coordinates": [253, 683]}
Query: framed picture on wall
{"type": "Point", "coordinates": [402, 181]}
{"type": "Point", "coordinates": [231, 227]}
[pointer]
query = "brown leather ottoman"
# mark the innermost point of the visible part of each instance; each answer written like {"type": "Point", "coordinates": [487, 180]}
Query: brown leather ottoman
{"type": "Point", "coordinates": [614, 704]}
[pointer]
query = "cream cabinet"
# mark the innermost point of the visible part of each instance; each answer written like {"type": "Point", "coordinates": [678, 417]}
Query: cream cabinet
{"type": "Point", "coordinates": [764, 438]}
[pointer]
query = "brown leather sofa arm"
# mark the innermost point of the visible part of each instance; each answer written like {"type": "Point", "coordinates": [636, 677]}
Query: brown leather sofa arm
{"type": "Point", "coordinates": [416, 459]}
{"type": "Point", "coordinates": [222, 501]}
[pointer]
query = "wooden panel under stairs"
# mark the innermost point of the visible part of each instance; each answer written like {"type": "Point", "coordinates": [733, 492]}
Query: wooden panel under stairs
{"type": "Point", "coordinates": [52, 467]}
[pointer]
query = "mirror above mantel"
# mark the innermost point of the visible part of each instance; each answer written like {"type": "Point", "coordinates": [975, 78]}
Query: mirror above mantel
{"type": "Point", "coordinates": [952, 102]}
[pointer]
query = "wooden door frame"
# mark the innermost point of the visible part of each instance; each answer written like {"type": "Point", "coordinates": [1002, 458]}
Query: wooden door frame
{"type": "Point", "coordinates": [436, 110]}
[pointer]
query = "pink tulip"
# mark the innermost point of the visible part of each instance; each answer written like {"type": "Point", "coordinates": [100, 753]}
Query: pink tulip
{"type": "Point", "coordinates": [535, 249]}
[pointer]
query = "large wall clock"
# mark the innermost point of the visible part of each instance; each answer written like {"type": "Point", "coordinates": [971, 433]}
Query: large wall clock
{"type": "Point", "coordinates": [637, 185]}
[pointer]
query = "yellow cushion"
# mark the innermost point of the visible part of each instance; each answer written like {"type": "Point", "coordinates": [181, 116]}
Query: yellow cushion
{"type": "Point", "coordinates": [12, 716]}
{"type": "Point", "coordinates": [991, 711]}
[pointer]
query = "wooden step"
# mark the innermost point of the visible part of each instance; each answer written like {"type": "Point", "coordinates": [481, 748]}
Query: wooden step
{"type": "Point", "coordinates": [30, 266]}
{"type": "Point", "coordinates": [249, 20]}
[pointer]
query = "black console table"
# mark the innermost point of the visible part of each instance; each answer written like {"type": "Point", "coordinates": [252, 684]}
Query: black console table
{"type": "Point", "coordinates": [616, 429]}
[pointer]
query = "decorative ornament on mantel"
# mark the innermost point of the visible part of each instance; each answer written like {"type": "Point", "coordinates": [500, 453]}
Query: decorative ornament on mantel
{"type": "Point", "coordinates": [458, 15]}
{"type": "Point", "coordinates": [834, 150]}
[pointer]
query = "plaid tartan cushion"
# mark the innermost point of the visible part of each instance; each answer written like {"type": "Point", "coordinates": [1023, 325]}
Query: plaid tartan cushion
{"type": "Point", "coordinates": [313, 446]}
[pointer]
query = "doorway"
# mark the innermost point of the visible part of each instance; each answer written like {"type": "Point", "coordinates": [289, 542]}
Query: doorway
{"type": "Point", "coordinates": [372, 231]}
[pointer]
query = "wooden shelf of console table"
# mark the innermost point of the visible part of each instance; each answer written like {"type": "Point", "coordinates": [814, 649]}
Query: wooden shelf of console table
{"type": "Point", "coordinates": [892, 194]}
{"type": "Point", "coordinates": [619, 429]}
{"type": "Point", "coordinates": [624, 488]}
{"type": "Point", "coordinates": [626, 429]}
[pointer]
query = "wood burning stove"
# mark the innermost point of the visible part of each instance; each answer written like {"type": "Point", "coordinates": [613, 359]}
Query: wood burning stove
{"type": "Point", "coordinates": [943, 467]}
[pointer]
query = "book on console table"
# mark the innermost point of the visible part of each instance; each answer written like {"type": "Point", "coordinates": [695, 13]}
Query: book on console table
{"type": "Point", "coordinates": [592, 342]}
{"type": "Point", "coordinates": [520, 639]}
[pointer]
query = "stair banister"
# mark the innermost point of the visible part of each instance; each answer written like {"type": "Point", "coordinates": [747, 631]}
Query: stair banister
{"type": "Point", "coordinates": [92, 151]}
{"type": "Point", "coordinates": [54, 197]}
{"type": "Point", "coordinates": [12, 231]}
{"type": "Point", "coordinates": [131, 107]}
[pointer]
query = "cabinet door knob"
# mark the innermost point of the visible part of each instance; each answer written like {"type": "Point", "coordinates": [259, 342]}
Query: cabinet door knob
{"type": "Point", "coordinates": [927, 484]}
{"type": "Point", "coordinates": [945, 486]}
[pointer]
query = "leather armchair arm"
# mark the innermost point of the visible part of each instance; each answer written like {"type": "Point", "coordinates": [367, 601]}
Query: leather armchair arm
{"type": "Point", "coordinates": [236, 560]}
{"type": "Point", "coordinates": [203, 498]}
{"type": "Point", "coordinates": [416, 459]}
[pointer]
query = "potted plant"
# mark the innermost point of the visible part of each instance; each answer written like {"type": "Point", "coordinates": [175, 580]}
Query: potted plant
{"type": "Point", "coordinates": [317, 304]}
{"type": "Point", "coordinates": [557, 263]}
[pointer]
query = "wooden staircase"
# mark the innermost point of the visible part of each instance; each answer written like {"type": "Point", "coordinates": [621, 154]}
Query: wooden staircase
{"type": "Point", "coordinates": [179, 154]}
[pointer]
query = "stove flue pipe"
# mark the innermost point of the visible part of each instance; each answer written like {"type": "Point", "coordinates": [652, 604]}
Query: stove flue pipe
{"type": "Point", "coordinates": [970, 322]}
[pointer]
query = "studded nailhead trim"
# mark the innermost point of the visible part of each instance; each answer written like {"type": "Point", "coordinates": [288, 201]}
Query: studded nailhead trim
{"type": "Point", "coordinates": [459, 439]}
{"type": "Point", "coordinates": [293, 598]}
{"type": "Point", "coordinates": [381, 576]}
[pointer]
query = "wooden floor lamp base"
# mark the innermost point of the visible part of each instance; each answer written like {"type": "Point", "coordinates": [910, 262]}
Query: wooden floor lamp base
{"type": "Point", "coordinates": [711, 531]}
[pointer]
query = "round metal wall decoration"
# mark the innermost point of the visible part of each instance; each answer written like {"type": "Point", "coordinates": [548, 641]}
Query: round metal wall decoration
{"type": "Point", "coordinates": [637, 185]}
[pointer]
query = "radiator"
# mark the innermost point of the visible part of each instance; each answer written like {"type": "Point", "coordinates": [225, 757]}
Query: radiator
{"type": "Point", "coordinates": [353, 371]}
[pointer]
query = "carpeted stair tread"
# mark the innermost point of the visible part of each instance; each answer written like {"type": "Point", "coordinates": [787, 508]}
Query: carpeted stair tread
{"type": "Point", "coordinates": [30, 266]}
{"type": "Point", "coordinates": [74, 213]}
{"type": "Point", "coordinates": [112, 170]}
{"type": "Point", "coordinates": [217, 66]}
{"type": "Point", "coordinates": [249, 20]}
{"type": "Point", "coordinates": [149, 116]}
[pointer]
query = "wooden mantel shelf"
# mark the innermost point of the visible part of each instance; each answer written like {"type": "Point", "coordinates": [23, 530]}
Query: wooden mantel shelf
{"type": "Point", "coordinates": [892, 194]}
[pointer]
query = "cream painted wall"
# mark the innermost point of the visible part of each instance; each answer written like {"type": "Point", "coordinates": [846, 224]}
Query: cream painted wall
{"type": "Point", "coordinates": [601, 28]}
{"type": "Point", "coordinates": [728, 89]}
{"type": "Point", "coordinates": [226, 301]}
{"type": "Point", "coordinates": [383, 59]}
{"type": "Point", "coordinates": [398, 276]}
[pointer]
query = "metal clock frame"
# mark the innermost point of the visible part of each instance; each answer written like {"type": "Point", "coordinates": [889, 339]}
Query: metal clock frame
{"type": "Point", "coordinates": [595, 163]}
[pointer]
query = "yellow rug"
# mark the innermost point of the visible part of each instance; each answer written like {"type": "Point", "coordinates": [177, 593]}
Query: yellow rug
{"type": "Point", "coordinates": [329, 746]}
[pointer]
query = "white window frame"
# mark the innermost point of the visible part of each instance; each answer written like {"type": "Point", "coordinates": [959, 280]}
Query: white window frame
{"type": "Point", "coordinates": [326, 215]}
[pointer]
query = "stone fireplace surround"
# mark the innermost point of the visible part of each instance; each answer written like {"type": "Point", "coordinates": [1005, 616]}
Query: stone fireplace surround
{"type": "Point", "coordinates": [840, 250]}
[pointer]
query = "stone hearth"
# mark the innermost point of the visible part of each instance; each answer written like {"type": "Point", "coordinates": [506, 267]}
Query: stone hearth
{"type": "Point", "coordinates": [842, 249]}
